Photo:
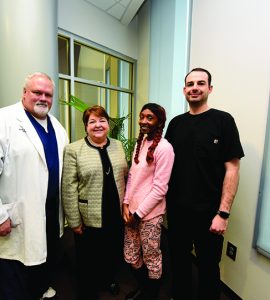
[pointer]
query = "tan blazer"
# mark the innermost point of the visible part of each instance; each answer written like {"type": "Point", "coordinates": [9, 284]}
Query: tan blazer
{"type": "Point", "coordinates": [83, 180]}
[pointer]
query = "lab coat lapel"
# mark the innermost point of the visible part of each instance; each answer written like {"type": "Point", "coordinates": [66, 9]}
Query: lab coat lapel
{"type": "Point", "coordinates": [30, 131]}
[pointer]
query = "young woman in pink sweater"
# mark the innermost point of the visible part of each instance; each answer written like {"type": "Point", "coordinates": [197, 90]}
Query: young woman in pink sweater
{"type": "Point", "coordinates": [144, 203]}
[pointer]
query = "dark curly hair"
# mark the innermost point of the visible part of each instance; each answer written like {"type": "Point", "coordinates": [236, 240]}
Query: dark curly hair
{"type": "Point", "coordinates": [160, 113]}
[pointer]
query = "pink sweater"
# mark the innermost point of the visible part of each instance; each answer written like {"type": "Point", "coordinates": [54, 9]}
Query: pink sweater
{"type": "Point", "coordinates": [148, 184]}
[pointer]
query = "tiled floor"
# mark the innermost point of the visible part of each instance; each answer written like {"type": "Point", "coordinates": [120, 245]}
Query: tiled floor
{"type": "Point", "coordinates": [65, 278]}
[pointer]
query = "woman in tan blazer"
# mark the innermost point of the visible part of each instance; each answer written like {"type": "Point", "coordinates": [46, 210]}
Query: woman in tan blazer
{"type": "Point", "coordinates": [92, 191]}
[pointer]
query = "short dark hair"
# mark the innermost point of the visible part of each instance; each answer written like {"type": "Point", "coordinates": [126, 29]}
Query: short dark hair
{"type": "Point", "coordinates": [200, 70]}
{"type": "Point", "coordinates": [97, 110]}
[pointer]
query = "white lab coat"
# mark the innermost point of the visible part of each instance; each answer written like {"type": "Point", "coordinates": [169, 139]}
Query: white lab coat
{"type": "Point", "coordinates": [23, 185]}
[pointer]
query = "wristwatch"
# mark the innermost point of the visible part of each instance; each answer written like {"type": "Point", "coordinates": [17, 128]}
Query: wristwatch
{"type": "Point", "coordinates": [223, 214]}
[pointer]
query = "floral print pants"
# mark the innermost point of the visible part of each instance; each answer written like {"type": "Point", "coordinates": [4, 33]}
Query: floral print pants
{"type": "Point", "coordinates": [142, 245]}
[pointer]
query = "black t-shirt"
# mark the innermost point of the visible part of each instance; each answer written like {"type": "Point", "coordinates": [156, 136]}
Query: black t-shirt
{"type": "Point", "coordinates": [202, 144]}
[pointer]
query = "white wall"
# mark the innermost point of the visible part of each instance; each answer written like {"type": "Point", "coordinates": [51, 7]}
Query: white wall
{"type": "Point", "coordinates": [89, 22]}
{"type": "Point", "coordinates": [28, 30]}
{"type": "Point", "coordinates": [142, 80]}
{"type": "Point", "coordinates": [169, 49]}
{"type": "Point", "coordinates": [231, 39]}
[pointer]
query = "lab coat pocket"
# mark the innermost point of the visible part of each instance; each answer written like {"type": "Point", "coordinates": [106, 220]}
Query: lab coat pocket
{"type": "Point", "coordinates": [13, 212]}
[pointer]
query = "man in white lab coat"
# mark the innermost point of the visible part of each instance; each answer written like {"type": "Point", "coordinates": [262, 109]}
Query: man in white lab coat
{"type": "Point", "coordinates": [31, 216]}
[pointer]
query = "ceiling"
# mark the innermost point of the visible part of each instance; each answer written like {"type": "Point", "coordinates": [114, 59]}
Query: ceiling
{"type": "Point", "coordinates": [123, 10]}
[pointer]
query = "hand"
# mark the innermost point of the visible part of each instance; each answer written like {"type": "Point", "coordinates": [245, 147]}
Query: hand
{"type": "Point", "coordinates": [219, 225]}
{"type": "Point", "coordinates": [79, 229]}
{"type": "Point", "coordinates": [5, 228]}
{"type": "Point", "coordinates": [132, 221]}
{"type": "Point", "coordinates": [126, 212]}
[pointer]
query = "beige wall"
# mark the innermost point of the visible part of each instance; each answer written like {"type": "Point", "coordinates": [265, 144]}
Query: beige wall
{"type": "Point", "coordinates": [231, 39]}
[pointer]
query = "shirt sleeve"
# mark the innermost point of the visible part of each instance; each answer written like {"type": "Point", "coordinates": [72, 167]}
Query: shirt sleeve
{"type": "Point", "coordinates": [164, 158]}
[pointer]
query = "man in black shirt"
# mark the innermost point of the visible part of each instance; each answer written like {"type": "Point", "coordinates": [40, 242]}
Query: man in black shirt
{"type": "Point", "coordinates": [202, 188]}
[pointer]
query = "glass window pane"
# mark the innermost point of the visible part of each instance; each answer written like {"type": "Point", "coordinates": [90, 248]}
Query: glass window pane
{"type": "Point", "coordinates": [125, 75]}
{"type": "Point", "coordinates": [92, 64]}
{"type": "Point", "coordinates": [118, 72]}
{"type": "Point", "coordinates": [88, 94]}
{"type": "Point", "coordinates": [63, 55]}
{"type": "Point", "coordinates": [89, 63]}
{"type": "Point", "coordinates": [107, 71]}
{"type": "Point", "coordinates": [118, 105]}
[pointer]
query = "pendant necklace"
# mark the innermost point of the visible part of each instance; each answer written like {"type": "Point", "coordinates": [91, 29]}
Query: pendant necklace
{"type": "Point", "coordinates": [108, 172]}
{"type": "Point", "coordinates": [100, 146]}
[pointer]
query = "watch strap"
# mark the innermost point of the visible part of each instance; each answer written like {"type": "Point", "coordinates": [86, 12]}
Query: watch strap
{"type": "Point", "coordinates": [223, 214]}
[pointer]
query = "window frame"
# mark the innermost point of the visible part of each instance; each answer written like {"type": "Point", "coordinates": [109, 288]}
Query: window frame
{"type": "Point", "coordinates": [72, 80]}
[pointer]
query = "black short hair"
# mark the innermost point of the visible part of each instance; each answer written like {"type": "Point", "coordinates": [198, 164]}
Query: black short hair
{"type": "Point", "coordinates": [201, 70]}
